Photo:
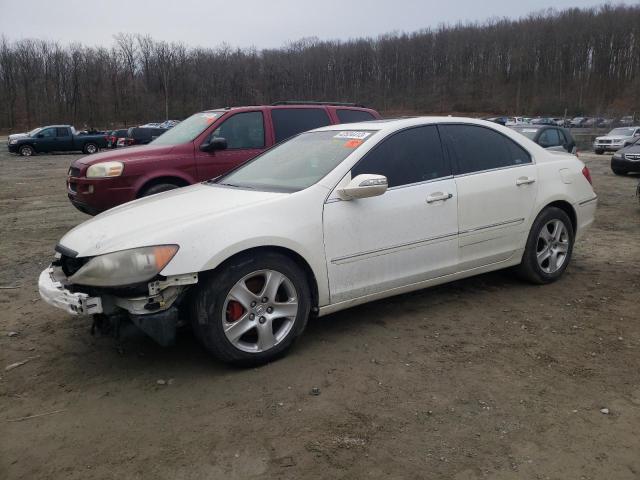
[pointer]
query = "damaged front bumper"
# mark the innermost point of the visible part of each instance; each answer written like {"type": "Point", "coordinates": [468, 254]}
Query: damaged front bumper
{"type": "Point", "coordinates": [156, 313]}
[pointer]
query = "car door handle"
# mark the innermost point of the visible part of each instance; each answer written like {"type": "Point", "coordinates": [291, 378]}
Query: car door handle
{"type": "Point", "coordinates": [439, 197]}
{"type": "Point", "coordinates": [525, 181]}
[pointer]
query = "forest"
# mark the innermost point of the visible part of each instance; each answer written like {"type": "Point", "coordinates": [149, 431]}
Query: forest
{"type": "Point", "coordinates": [582, 61]}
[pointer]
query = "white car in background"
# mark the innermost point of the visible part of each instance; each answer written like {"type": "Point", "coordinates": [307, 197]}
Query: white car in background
{"type": "Point", "coordinates": [327, 220]}
{"type": "Point", "coordinates": [615, 139]}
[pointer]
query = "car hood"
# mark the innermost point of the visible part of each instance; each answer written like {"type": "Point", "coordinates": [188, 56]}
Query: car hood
{"type": "Point", "coordinates": [122, 155]}
{"type": "Point", "coordinates": [16, 136]}
{"type": "Point", "coordinates": [615, 139]}
{"type": "Point", "coordinates": [630, 149]}
{"type": "Point", "coordinates": [162, 218]}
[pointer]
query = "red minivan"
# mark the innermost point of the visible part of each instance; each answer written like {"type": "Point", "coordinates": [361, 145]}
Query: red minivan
{"type": "Point", "coordinates": [201, 147]}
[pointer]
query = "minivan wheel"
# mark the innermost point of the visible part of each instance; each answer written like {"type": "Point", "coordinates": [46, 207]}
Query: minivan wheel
{"type": "Point", "coordinates": [251, 310]}
{"type": "Point", "coordinates": [159, 188]}
{"type": "Point", "coordinates": [90, 148]}
{"type": "Point", "coordinates": [549, 247]}
{"type": "Point", "coordinates": [26, 150]}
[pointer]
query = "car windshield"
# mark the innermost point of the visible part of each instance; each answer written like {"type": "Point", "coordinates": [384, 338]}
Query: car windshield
{"type": "Point", "coordinates": [623, 132]}
{"type": "Point", "coordinates": [297, 163]}
{"type": "Point", "coordinates": [34, 131]}
{"type": "Point", "coordinates": [189, 129]}
{"type": "Point", "coordinates": [527, 132]}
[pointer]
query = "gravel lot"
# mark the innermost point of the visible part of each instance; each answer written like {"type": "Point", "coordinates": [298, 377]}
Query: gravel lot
{"type": "Point", "coordinates": [483, 378]}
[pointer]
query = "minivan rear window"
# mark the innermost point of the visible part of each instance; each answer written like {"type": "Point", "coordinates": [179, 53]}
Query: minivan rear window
{"type": "Point", "coordinates": [288, 122]}
{"type": "Point", "coordinates": [353, 116]}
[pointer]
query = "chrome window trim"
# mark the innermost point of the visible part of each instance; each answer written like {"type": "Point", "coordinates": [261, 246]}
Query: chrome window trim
{"type": "Point", "coordinates": [493, 225]}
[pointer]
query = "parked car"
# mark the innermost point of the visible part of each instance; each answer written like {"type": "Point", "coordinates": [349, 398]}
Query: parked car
{"type": "Point", "coordinates": [549, 137]}
{"type": "Point", "coordinates": [169, 123]}
{"type": "Point", "coordinates": [578, 122]}
{"type": "Point", "coordinates": [543, 121]}
{"type": "Point", "coordinates": [142, 135]}
{"type": "Point", "coordinates": [192, 151]}
{"type": "Point", "coordinates": [498, 120]}
{"type": "Point", "coordinates": [626, 121]}
{"type": "Point", "coordinates": [332, 218]}
{"type": "Point", "coordinates": [627, 159]}
{"type": "Point", "coordinates": [517, 121]}
{"type": "Point", "coordinates": [114, 135]}
{"type": "Point", "coordinates": [55, 138]}
{"type": "Point", "coordinates": [615, 139]}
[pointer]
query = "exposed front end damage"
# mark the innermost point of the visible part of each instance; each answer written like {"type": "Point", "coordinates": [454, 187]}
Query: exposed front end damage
{"type": "Point", "coordinates": [152, 306]}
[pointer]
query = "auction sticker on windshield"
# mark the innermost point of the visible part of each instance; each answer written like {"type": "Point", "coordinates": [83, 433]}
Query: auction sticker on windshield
{"type": "Point", "coordinates": [352, 134]}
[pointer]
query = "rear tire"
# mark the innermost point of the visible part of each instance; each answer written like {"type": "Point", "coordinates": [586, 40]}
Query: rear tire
{"type": "Point", "coordinates": [27, 151]}
{"type": "Point", "coordinates": [159, 188]}
{"type": "Point", "coordinates": [251, 310]}
{"type": "Point", "coordinates": [90, 148]}
{"type": "Point", "coordinates": [549, 247]}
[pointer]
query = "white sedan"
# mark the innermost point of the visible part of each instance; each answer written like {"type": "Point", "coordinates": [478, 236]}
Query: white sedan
{"type": "Point", "coordinates": [329, 219]}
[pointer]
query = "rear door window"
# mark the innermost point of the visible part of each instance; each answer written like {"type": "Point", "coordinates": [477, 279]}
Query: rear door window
{"type": "Point", "coordinates": [353, 116]}
{"type": "Point", "coordinates": [242, 131]}
{"type": "Point", "coordinates": [475, 149]}
{"type": "Point", "coordinates": [62, 132]}
{"type": "Point", "coordinates": [288, 122]}
{"type": "Point", "coordinates": [550, 138]}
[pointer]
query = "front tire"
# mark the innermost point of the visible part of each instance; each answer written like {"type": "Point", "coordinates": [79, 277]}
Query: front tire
{"type": "Point", "coordinates": [549, 247]}
{"type": "Point", "coordinates": [251, 310]}
{"type": "Point", "coordinates": [27, 151]}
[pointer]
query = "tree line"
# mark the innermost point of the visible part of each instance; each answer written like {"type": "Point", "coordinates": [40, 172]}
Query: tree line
{"type": "Point", "coordinates": [584, 61]}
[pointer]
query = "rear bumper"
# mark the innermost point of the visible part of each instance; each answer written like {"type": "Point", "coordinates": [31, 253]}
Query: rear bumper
{"type": "Point", "coordinates": [625, 165]}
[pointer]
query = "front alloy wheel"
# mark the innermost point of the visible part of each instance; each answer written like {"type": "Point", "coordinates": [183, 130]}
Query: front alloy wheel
{"type": "Point", "coordinates": [259, 311]}
{"type": "Point", "coordinates": [26, 151]}
{"type": "Point", "coordinates": [251, 309]}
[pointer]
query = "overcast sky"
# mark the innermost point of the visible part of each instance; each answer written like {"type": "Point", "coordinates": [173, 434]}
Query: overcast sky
{"type": "Point", "coordinates": [245, 23]}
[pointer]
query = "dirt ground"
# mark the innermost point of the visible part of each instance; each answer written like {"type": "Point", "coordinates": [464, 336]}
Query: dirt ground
{"type": "Point", "coordinates": [482, 378]}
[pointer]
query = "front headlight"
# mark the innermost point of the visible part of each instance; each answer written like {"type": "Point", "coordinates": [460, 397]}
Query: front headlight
{"type": "Point", "coordinates": [13, 142]}
{"type": "Point", "coordinates": [125, 267]}
{"type": "Point", "coordinates": [617, 156]}
{"type": "Point", "coordinates": [105, 169]}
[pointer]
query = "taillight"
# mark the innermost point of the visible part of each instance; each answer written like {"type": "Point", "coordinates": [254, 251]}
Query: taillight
{"type": "Point", "coordinates": [587, 174]}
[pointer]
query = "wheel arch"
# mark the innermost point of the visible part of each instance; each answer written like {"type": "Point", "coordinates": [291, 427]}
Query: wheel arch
{"type": "Point", "coordinates": [169, 178]}
{"type": "Point", "coordinates": [565, 206]}
{"type": "Point", "coordinates": [292, 254]}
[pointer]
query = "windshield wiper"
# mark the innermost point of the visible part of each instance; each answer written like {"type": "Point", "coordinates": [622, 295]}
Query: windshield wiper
{"type": "Point", "coordinates": [235, 186]}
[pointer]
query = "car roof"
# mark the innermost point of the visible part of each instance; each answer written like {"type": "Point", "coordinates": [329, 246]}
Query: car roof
{"type": "Point", "coordinates": [290, 106]}
{"type": "Point", "coordinates": [389, 125]}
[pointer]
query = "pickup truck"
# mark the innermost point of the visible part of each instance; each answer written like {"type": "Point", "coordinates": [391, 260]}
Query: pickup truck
{"type": "Point", "coordinates": [55, 138]}
{"type": "Point", "coordinates": [202, 147]}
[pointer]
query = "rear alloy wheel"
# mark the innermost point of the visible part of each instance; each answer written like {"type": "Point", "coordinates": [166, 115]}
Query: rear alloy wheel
{"type": "Point", "coordinates": [26, 150]}
{"type": "Point", "coordinates": [252, 311]}
{"type": "Point", "coordinates": [90, 148]}
{"type": "Point", "coordinates": [549, 247]}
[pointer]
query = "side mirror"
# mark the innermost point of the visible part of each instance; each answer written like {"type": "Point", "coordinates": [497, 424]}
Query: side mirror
{"type": "Point", "coordinates": [217, 143]}
{"type": "Point", "coordinates": [364, 186]}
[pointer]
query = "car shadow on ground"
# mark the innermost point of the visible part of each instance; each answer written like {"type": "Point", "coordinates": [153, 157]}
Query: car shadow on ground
{"type": "Point", "coordinates": [188, 355]}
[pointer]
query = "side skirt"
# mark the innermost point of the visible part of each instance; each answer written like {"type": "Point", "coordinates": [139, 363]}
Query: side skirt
{"type": "Point", "coordinates": [515, 259]}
